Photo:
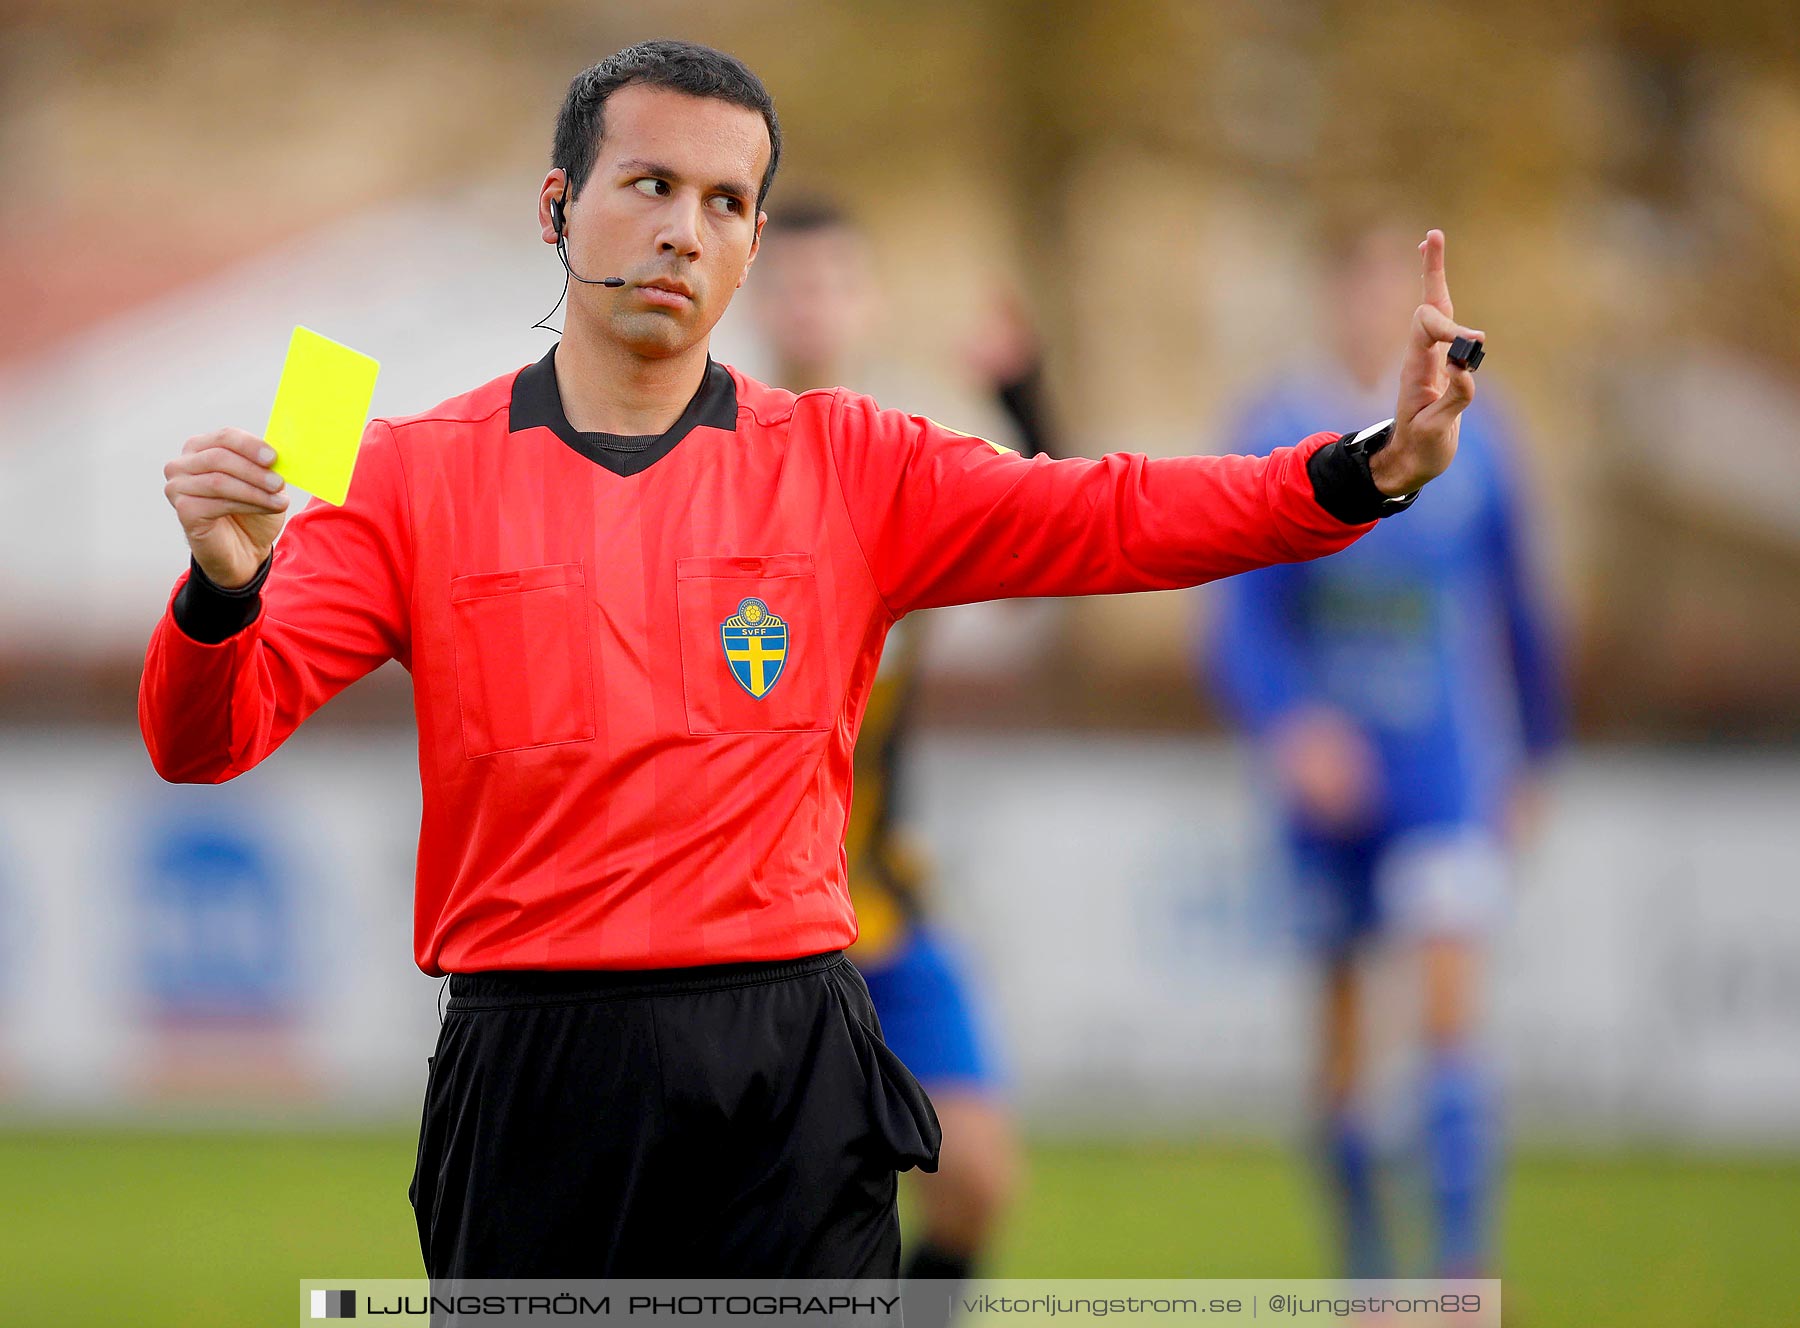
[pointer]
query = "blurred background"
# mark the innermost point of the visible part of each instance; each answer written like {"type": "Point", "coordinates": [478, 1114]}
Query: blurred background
{"type": "Point", "coordinates": [212, 1040]}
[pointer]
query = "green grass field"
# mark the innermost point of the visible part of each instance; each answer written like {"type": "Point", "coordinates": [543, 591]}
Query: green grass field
{"type": "Point", "coordinates": [205, 1229]}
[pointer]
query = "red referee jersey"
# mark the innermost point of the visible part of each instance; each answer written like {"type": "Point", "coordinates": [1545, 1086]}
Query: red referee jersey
{"type": "Point", "coordinates": [639, 665]}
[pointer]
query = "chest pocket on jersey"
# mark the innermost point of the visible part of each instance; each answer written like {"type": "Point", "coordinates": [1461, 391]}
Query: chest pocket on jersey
{"type": "Point", "coordinates": [524, 658]}
{"type": "Point", "coordinates": [754, 658]}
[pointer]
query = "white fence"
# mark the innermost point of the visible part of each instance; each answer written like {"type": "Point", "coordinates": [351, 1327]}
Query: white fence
{"type": "Point", "coordinates": [246, 949]}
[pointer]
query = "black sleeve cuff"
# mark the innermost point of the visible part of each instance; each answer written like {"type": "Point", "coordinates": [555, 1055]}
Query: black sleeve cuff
{"type": "Point", "coordinates": [209, 614]}
{"type": "Point", "coordinates": [1342, 486]}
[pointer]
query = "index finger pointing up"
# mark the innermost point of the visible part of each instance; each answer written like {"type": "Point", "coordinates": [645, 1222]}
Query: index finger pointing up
{"type": "Point", "coordinates": [1435, 289]}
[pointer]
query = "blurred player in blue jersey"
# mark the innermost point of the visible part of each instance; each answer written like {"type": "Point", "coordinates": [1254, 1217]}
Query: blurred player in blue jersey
{"type": "Point", "coordinates": [1404, 696]}
{"type": "Point", "coordinates": [817, 305]}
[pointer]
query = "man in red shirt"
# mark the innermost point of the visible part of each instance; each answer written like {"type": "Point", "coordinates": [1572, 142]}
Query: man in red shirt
{"type": "Point", "coordinates": [642, 598]}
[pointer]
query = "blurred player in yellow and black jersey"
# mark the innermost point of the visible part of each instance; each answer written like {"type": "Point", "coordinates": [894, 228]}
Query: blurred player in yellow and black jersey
{"type": "Point", "coordinates": [887, 869]}
{"type": "Point", "coordinates": [817, 305]}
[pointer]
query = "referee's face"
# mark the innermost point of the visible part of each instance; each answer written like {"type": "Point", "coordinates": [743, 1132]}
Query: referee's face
{"type": "Point", "coordinates": [671, 207]}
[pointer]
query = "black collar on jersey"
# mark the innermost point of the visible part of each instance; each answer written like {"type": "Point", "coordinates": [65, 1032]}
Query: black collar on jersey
{"type": "Point", "coordinates": [537, 404]}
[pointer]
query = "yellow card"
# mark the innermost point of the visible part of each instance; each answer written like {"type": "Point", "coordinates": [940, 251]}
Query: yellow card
{"type": "Point", "coordinates": [320, 409]}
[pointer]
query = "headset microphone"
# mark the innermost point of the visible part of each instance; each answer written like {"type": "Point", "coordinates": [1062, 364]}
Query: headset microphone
{"type": "Point", "coordinates": [562, 251]}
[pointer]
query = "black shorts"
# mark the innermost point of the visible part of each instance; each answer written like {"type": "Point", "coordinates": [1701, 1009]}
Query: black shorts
{"type": "Point", "coordinates": [741, 1120]}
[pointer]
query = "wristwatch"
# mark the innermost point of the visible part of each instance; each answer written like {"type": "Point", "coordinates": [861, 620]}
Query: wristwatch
{"type": "Point", "coordinates": [1358, 448]}
{"type": "Point", "coordinates": [1366, 444]}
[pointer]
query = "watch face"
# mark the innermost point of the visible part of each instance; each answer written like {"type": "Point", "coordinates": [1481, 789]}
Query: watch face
{"type": "Point", "coordinates": [1373, 438]}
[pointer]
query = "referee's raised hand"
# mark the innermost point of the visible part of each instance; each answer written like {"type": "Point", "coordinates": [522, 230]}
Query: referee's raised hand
{"type": "Point", "coordinates": [229, 501]}
{"type": "Point", "coordinates": [1433, 392]}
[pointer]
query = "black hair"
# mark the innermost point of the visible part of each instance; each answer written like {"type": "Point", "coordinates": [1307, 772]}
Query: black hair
{"type": "Point", "coordinates": [810, 212]}
{"type": "Point", "coordinates": [688, 67]}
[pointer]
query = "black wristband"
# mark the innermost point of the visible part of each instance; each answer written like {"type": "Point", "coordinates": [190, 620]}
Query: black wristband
{"type": "Point", "coordinates": [1341, 481]}
{"type": "Point", "coordinates": [209, 613]}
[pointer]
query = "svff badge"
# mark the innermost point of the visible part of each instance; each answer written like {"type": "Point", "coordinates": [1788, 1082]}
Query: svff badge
{"type": "Point", "coordinates": [756, 646]}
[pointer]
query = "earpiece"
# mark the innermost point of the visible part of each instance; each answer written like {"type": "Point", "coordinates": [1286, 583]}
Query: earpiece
{"type": "Point", "coordinates": [560, 220]}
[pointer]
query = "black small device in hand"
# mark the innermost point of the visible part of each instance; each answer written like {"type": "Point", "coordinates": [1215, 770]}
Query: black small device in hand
{"type": "Point", "coordinates": [1467, 353]}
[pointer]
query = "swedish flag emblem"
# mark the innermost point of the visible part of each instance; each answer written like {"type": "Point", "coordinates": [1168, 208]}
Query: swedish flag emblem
{"type": "Point", "coordinates": [756, 646]}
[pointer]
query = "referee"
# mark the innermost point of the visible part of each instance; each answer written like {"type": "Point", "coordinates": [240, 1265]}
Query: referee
{"type": "Point", "coordinates": [642, 598]}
